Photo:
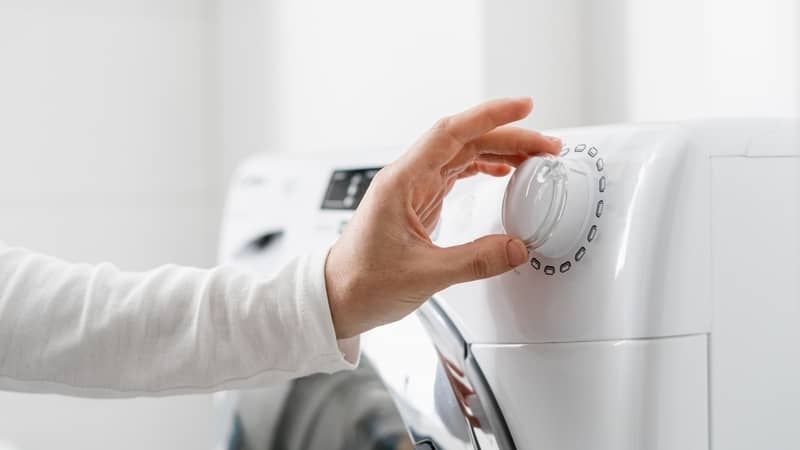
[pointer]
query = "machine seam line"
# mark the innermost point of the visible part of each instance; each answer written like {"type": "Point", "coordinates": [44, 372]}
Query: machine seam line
{"type": "Point", "coordinates": [586, 341]}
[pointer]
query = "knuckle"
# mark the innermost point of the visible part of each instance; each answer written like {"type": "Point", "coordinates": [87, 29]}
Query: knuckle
{"type": "Point", "coordinates": [443, 131]}
{"type": "Point", "coordinates": [480, 266]}
{"type": "Point", "coordinates": [442, 124]}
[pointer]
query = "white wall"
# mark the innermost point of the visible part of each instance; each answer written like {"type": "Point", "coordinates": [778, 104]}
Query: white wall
{"type": "Point", "coordinates": [107, 152]}
{"type": "Point", "coordinates": [107, 137]}
{"type": "Point", "coordinates": [712, 58]}
{"type": "Point", "coordinates": [533, 47]}
{"type": "Point", "coordinates": [645, 60]}
{"type": "Point", "coordinates": [122, 119]}
{"type": "Point", "coordinates": [314, 75]}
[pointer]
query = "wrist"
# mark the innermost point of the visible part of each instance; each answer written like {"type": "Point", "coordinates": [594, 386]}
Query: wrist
{"type": "Point", "coordinates": [337, 285]}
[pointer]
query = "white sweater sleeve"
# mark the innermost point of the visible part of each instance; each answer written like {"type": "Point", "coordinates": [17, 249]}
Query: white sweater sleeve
{"type": "Point", "coordinates": [96, 331]}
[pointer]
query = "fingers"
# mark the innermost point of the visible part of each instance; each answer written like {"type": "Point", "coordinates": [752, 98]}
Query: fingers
{"type": "Point", "coordinates": [450, 134]}
{"type": "Point", "coordinates": [510, 140]}
{"type": "Point", "coordinates": [509, 160]}
{"type": "Point", "coordinates": [483, 258]}
{"type": "Point", "coordinates": [506, 141]}
{"type": "Point", "coordinates": [488, 168]}
{"type": "Point", "coordinates": [485, 117]}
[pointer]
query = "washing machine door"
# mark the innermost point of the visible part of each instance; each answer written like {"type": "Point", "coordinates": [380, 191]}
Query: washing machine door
{"type": "Point", "coordinates": [436, 383]}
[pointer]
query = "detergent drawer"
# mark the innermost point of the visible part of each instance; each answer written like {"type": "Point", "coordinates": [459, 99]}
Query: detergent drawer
{"type": "Point", "coordinates": [638, 394]}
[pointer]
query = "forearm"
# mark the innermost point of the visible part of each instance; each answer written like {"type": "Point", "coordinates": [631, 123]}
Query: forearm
{"type": "Point", "coordinates": [97, 331]}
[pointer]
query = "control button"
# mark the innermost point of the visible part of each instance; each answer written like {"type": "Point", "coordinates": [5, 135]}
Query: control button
{"type": "Point", "coordinates": [352, 190]}
{"type": "Point", "coordinates": [599, 211]}
{"type": "Point", "coordinates": [592, 233]}
{"type": "Point", "coordinates": [549, 270]}
{"type": "Point", "coordinates": [579, 254]}
{"type": "Point", "coordinates": [564, 151]}
{"type": "Point", "coordinates": [348, 202]}
{"type": "Point", "coordinates": [371, 174]}
{"type": "Point", "coordinates": [580, 148]}
{"type": "Point", "coordinates": [592, 152]}
{"type": "Point", "coordinates": [535, 263]}
{"type": "Point", "coordinates": [600, 165]}
{"type": "Point", "coordinates": [602, 184]}
{"type": "Point", "coordinates": [565, 267]}
{"type": "Point", "coordinates": [356, 179]}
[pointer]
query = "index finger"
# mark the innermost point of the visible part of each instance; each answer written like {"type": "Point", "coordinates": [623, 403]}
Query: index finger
{"type": "Point", "coordinates": [452, 133]}
{"type": "Point", "coordinates": [481, 119]}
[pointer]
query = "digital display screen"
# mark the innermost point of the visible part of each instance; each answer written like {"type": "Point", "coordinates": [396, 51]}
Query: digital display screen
{"type": "Point", "coordinates": [347, 187]}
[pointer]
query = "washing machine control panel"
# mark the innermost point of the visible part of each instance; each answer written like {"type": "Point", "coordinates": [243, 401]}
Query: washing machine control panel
{"type": "Point", "coordinates": [346, 188]}
{"type": "Point", "coordinates": [554, 204]}
{"type": "Point", "coordinates": [281, 206]}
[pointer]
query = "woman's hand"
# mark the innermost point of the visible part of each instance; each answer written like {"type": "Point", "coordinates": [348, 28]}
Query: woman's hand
{"type": "Point", "coordinates": [384, 265]}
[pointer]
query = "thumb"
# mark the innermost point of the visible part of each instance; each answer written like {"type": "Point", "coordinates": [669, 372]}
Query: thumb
{"type": "Point", "coordinates": [483, 258]}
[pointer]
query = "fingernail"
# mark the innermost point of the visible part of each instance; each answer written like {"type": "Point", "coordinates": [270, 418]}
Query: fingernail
{"type": "Point", "coordinates": [516, 252]}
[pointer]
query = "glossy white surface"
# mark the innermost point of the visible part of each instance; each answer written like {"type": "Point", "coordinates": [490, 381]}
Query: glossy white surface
{"type": "Point", "coordinates": [612, 395]}
{"type": "Point", "coordinates": [408, 363]}
{"type": "Point", "coordinates": [644, 274]}
{"type": "Point", "coordinates": [647, 271]}
{"type": "Point", "coordinates": [755, 341]}
{"type": "Point", "coordinates": [619, 351]}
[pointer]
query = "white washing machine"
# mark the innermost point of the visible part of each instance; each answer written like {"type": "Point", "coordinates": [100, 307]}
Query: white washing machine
{"type": "Point", "coordinates": [660, 308]}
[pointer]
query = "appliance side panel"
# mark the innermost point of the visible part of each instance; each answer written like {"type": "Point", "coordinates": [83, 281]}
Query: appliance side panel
{"type": "Point", "coordinates": [755, 340]}
{"type": "Point", "coordinates": [642, 394]}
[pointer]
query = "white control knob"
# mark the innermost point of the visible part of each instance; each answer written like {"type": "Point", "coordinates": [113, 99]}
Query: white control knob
{"type": "Point", "coordinates": [549, 202]}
